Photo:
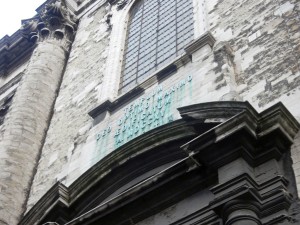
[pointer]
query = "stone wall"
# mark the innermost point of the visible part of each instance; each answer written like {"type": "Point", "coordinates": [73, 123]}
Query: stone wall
{"type": "Point", "coordinates": [256, 58]}
{"type": "Point", "coordinates": [265, 37]}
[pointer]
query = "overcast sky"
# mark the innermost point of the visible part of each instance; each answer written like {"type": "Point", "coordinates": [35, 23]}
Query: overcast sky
{"type": "Point", "coordinates": [13, 11]}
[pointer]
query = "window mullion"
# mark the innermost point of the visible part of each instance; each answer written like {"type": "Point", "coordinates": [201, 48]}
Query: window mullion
{"type": "Point", "coordinates": [139, 45]}
{"type": "Point", "coordinates": [157, 30]}
{"type": "Point", "coordinates": [176, 32]}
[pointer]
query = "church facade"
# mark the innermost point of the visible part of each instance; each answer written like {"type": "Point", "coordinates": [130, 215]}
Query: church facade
{"type": "Point", "coordinates": [151, 112]}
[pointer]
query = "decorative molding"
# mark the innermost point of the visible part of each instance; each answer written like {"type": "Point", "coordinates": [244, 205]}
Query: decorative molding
{"type": "Point", "coordinates": [212, 145]}
{"type": "Point", "coordinates": [215, 110]}
{"type": "Point", "coordinates": [266, 126]}
{"type": "Point", "coordinates": [58, 12]}
{"type": "Point", "coordinates": [205, 39]}
{"type": "Point", "coordinates": [237, 211]}
{"type": "Point", "coordinates": [110, 106]}
{"type": "Point", "coordinates": [54, 21]}
{"type": "Point", "coordinates": [224, 57]}
{"type": "Point", "coordinates": [57, 196]}
{"type": "Point", "coordinates": [14, 51]}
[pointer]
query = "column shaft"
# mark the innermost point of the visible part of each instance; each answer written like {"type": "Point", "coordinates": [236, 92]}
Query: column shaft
{"type": "Point", "coordinates": [25, 127]}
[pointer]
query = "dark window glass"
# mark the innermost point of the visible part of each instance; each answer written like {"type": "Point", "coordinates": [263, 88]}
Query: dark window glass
{"type": "Point", "coordinates": [158, 31]}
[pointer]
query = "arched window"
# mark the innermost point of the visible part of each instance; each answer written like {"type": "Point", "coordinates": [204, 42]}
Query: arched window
{"type": "Point", "coordinates": [158, 31]}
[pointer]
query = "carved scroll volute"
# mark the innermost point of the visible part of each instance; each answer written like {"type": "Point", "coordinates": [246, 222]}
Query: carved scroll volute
{"type": "Point", "coordinates": [55, 22]}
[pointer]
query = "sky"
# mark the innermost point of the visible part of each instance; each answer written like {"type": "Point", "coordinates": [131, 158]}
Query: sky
{"type": "Point", "coordinates": [13, 11]}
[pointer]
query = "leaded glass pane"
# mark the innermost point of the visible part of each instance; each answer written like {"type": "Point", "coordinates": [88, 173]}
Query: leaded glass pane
{"type": "Point", "coordinates": [158, 31]}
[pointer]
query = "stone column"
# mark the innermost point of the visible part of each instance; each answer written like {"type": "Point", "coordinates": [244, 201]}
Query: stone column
{"type": "Point", "coordinates": [241, 213]}
{"type": "Point", "coordinates": [28, 119]}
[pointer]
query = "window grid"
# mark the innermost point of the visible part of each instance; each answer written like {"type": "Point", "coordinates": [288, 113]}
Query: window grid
{"type": "Point", "coordinates": [158, 31]}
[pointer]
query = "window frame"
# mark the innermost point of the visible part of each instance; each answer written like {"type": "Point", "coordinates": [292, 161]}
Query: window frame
{"type": "Point", "coordinates": [119, 21]}
{"type": "Point", "coordinates": [136, 68]}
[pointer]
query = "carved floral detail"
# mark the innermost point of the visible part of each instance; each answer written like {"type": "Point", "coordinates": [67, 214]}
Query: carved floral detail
{"type": "Point", "coordinates": [28, 26]}
{"type": "Point", "coordinates": [55, 21]}
{"type": "Point", "coordinates": [58, 10]}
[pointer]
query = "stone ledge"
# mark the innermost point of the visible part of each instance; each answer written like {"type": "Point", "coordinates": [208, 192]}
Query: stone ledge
{"type": "Point", "coordinates": [56, 197]}
{"type": "Point", "coordinates": [275, 125]}
{"type": "Point", "coordinates": [110, 105]}
{"type": "Point", "coordinates": [205, 39]}
{"type": "Point", "coordinates": [214, 110]}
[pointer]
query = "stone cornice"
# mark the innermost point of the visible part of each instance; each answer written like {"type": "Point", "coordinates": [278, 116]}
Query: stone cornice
{"type": "Point", "coordinates": [56, 196]}
{"type": "Point", "coordinates": [244, 134]}
{"type": "Point", "coordinates": [14, 51]}
{"type": "Point", "coordinates": [275, 124]}
{"type": "Point", "coordinates": [215, 110]}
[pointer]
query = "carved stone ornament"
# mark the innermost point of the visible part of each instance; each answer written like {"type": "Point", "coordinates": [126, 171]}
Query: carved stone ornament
{"type": "Point", "coordinates": [120, 3]}
{"type": "Point", "coordinates": [55, 21]}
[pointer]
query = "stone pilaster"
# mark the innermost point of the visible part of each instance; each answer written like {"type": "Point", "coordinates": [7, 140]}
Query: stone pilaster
{"type": "Point", "coordinates": [28, 118]}
{"type": "Point", "coordinates": [224, 57]}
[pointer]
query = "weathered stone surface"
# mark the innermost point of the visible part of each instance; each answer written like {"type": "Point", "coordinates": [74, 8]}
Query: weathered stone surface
{"type": "Point", "coordinates": [265, 40]}
{"type": "Point", "coordinates": [27, 120]}
{"type": "Point", "coordinates": [225, 171]}
{"type": "Point", "coordinates": [255, 59]}
{"type": "Point", "coordinates": [78, 93]}
{"type": "Point", "coordinates": [25, 127]}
